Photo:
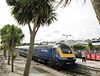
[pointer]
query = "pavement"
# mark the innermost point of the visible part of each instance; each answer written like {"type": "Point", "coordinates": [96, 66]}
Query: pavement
{"type": "Point", "coordinates": [19, 68]}
{"type": "Point", "coordinates": [19, 64]}
{"type": "Point", "coordinates": [4, 71]}
{"type": "Point", "coordinates": [37, 69]}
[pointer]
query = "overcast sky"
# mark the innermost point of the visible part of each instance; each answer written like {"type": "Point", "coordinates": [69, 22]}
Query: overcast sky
{"type": "Point", "coordinates": [76, 19]}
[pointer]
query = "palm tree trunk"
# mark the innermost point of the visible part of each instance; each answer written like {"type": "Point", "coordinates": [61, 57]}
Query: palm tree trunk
{"type": "Point", "coordinates": [12, 52]}
{"type": "Point", "coordinates": [12, 62]}
{"type": "Point", "coordinates": [5, 55]}
{"type": "Point", "coordinates": [29, 57]}
{"type": "Point", "coordinates": [9, 52]}
{"type": "Point", "coordinates": [96, 6]}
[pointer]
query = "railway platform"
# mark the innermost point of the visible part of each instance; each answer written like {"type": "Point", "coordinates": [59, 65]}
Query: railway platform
{"type": "Point", "coordinates": [91, 63]}
{"type": "Point", "coordinates": [89, 68]}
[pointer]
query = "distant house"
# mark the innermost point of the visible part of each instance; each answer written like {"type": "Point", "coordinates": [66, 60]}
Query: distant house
{"type": "Point", "coordinates": [96, 43]}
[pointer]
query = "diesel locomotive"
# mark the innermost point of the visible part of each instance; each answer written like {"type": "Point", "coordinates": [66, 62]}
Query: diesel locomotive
{"type": "Point", "coordinates": [55, 55]}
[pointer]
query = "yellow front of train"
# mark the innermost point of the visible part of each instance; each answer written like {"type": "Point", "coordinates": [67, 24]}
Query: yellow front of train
{"type": "Point", "coordinates": [67, 55]}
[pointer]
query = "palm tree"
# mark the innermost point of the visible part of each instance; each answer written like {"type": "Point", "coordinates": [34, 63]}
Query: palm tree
{"type": "Point", "coordinates": [4, 40]}
{"type": "Point", "coordinates": [12, 36]}
{"type": "Point", "coordinates": [4, 45]}
{"type": "Point", "coordinates": [38, 12]}
{"type": "Point", "coordinates": [15, 36]}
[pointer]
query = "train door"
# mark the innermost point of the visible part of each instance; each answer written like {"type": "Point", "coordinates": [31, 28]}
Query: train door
{"type": "Point", "coordinates": [54, 52]}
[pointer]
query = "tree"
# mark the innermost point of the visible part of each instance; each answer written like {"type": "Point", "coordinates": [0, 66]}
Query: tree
{"type": "Point", "coordinates": [11, 36]}
{"type": "Point", "coordinates": [79, 47]}
{"type": "Point", "coordinates": [90, 45]}
{"type": "Point", "coordinates": [38, 12]}
{"type": "Point", "coordinates": [4, 40]}
{"type": "Point", "coordinates": [15, 37]}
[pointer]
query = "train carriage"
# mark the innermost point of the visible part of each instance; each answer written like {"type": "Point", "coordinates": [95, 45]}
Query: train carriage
{"type": "Point", "coordinates": [23, 50]}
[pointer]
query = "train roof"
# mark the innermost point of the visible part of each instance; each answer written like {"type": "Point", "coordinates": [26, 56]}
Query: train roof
{"type": "Point", "coordinates": [53, 45]}
{"type": "Point", "coordinates": [26, 47]}
{"type": "Point", "coordinates": [45, 46]}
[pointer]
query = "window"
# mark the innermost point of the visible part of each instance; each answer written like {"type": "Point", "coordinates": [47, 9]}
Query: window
{"type": "Point", "coordinates": [66, 50]}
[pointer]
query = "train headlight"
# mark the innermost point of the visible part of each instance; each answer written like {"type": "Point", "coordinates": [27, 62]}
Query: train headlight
{"type": "Point", "coordinates": [69, 58]}
{"type": "Point", "coordinates": [65, 58]}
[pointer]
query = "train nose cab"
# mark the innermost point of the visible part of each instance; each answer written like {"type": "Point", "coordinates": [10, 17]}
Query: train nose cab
{"type": "Point", "coordinates": [67, 55]}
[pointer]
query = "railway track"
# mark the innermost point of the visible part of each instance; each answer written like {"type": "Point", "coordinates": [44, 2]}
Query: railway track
{"type": "Point", "coordinates": [83, 70]}
{"type": "Point", "coordinates": [78, 70]}
{"type": "Point", "coordinates": [74, 70]}
{"type": "Point", "coordinates": [67, 71]}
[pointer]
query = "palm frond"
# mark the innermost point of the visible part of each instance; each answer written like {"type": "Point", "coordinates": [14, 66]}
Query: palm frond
{"type": "Point", "coordinates": [11, 32]}
{"type": "Point", "coordinates": [12, 2]}
{"type": "Point", "coordinates": [96, 6]}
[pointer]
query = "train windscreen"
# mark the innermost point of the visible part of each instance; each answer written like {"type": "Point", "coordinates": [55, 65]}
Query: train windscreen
{"type": "Point", "coordinates": [66, 50]}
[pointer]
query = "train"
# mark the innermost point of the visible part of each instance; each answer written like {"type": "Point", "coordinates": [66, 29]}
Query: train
{"type": "Point", "coordinates": [55, 55]}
